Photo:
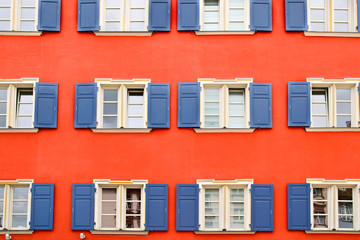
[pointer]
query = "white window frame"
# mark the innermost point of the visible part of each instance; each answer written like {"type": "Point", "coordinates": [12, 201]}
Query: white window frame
{"type": "Point", "coordinates": [124, 17]}
{"type": "Point", "coordinates": [224, 85]}
{"type": "Point", "coordinates": [332, 193]}
{"type": "Point", "coordinates": [329, 16]}
{"type": "Point", "coordinates": [224, 18]}
{"type": "Point", "coordinates": [224, 187]}
{"type": "Point", "coordinates": [331, 85]}
{"type": "Point", "coordinates": [9, 185]}
{"type": "Point", "coordinates": [12, 86]}
{"type": "Point", "coordinates": [122, 86]}
{"type": "Point", "coordinates": [121, 187]}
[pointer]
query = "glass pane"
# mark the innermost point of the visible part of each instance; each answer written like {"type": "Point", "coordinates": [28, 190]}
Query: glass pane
{"type": "Point", "coordinates": [343, 108]}
{"type": "Point", "coordinates": [133, 194]}
{"type": "Point", "coordinates": [343, 121]}
{"type": "Point", "coordinates": [113, 3]}
{"type": "Point", "coordinates": [110, 108]}
{"type": "Point", "coordinates": [236, 109]}
{"type": "Point", "coordinates": [27, 26]}
{"type": "Point", "coordinates": [343, 94]}
{"type": "Point", "coordinates": [135, 122]}
{"type": "Point", "coordinates": [1, 221]}
{"type": "Point", "coordinates": [137, 26]}
{"type": "Point", "coordinates": [211, 3]}
{"type": "Point", "coordinates": [108, 207]}
{"type": "Point", "coordinates": [211, 17]}
{"type": "Point", "coordinates": [109, 122]}
{"type": "Point", "coordinates": [25, 108]}
{"type": "Point", "coordinates": [211, 208]}
{"type": "Point", "coordinates": [1, 192]}
{"type": "Point", "coordinates": [138, 98]}
{"type": "Point", "coordinates": [340, 3]}
{"type": "Point", "coordinates": [236, 122]}
{"type": "Point", "coordinates": [236, 26]}
{"type": "Point", "coordinates": [320, 221]}
{"type": "Point", "coordinates": [237, 222]}
{"type": "Point", "coordinates": [237, 195]}
{"type": "Point", "coordinates": [341, 27]}
{"type": "Point", "coordinates": [137, 14]}
{"type": "Point", "coordinates": [212, 121]}
{"type": "Point", "coordinates": [135, 110]}
{"type": "Point", "coordinates": [26, 97]}
{"type": "Point", "coordinates": [236, 208]}
{"type": "Point", "coordinates": [27, 13]}
{"type": "Point", "coordinates": [132, 221]}
{"type": "Point", "coordinates": [345, 193]}
{"type": "Point", "coordinates": [21, 193]}
{"type": "Point", "coordinates": [320, 27]}
{"type": "Point", "coordinates": [236, 14]}
{"type": "Point", "coordinates": [108, 221]}
{"type": "Point", "coordinates": [1, 207]}
{"type": "Point", "coordinates": [317, 3]}
{"type": "Point", "coordinates": [20, 207]}
{"type": "Point", "coordinates": [112, 26]}
{"type": "Point", "coordinates": [113, 14]}
{"type": "Point", "coordinates": [237, 3]}
{"type": "Point", "coordinates": [319, 108]}
{"type": "Point", "coordinates": [318, 96]}
{"type": "Point", "coordinates": [341, 15]}
{"type": "Point", "coordinates": [317, 15]}
{"type": "Point", "coordinates": [211, 222]}
{"type": "Point", "coordinates": [211, 26]}
{"type": "Point", "coordinates": [3, 94]}
{"type": "Point", "coordinates": [211, 108]}
{"type": "Point", "coordinates": [345, 208]}
{"type": "Point", "coordinates": [133, 208]}
{"type": "Point", "coordinates": [319, 121]}
{"type": "Point", "coordinates": [109, 194]}
{"type": "Point", "coordinates": [28, 3]}
{"type": "Point", "coordinates": [19, 221]}
{"type": "Point", "coordinates": [2, 121]}
{"type": "Point", "coordinates": [137, 4]}
{"type": "Point", "coordinates": [320, 194]}
{"type": "Point", "coordinates": [211, 194]}
{"type": "Point", "coordinates": [24, 122]}
{"type": "Point", "coordinates": [320, 208]}
{"type": "Point", "coordinates": [4, 25]}
{"type": "Point", "coordinates": [346, 222]}
{"type": "Point", "coordinates": [6, 2]}
{"type": "Point", "coordinates": [5, 13]}
{"type": "Point", "coordinates": [235, 96]}
{"type": "Point", "coordinates": [3, 108]}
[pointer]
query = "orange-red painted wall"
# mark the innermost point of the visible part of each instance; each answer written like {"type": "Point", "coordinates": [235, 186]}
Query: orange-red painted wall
{"type": "Point", "coordinates": [276, 156]}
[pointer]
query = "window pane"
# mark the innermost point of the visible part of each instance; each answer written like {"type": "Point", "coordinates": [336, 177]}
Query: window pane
{"type": "Point", "coordinates": [1, 192]}
{"type": "Point", "coordinates": [27, 3]}
{"type": "Point", "coordinates": [109, 194]}
{"type": "Point", "coordinates": [211, 16]}
{"type": "Point", "coordinates": [109, 207]}
{"type": "Point", "coordinates": [211, 26]}
{"type": "Point", "coordinates": [27, 13]}
{"type": "Point", "coordinates": [211, 108]}
{"type": "Point", "coordinates": [5, 12]}
{"type": "Point", "coordinates": [343, 121]}
{"type": "Point", "coordinates": [113, 14]}
{"type": "Point", "coordinates": [340, 3]}
{"type": "Point", "coordinates": [236, 122]}
{"type": "Point", "coordinates": [211, 121]}
{"type": "Point", "coordinates": [112, 26]}
{"type": "Point", "coordinates": [320, 194]}
{"type": "Point", "coordinates": [318, 96]}
{"type": "Point", "coordinates": [320, 27]}
{"type": "Point", "coordinates": [211, 208]}
{"type": "Point", "coordinates": [237, 195]}
{"type": "Point", "coordinates": [24, 122]}
{"type": "Point", "coordinates": [109, 122]}
{"type": "Point", "coordinates": [133, 208]}
{"type": "Point", "coordinates": [345, 193]}
{"type": "Point", "coordinates": [110, 108]}
{"type": "Point", "coordinates": [341, 15]}
{"type": "Point", "coordinates": [211, 194]}
{"type": "Point", "coordinates": [25, 109]}
{"type": "Point", "coordinates": [20, 207]}
{"type": "Point", "coordinates": [3, 94]}
{"type": "Point", "coordinates": [3, 108]}
{"type": "Point", "coordinates": [2, 121]}
{"type": "Point", "coordinates": [317, 3]}
{"type": "Point", "coordinates": [346, 222]}
{"type": "Point", "coordinates": [343, 94]}
{"type": "Point", "coordinates": [236, 26]}
{"type": "Point", "coordinates": [113, 3]}
{"type": "Point", "coordinates": [345, 208]}
{"type": "Point", "coordinates": [19, 221]}
{"type": "Point", "coordinates": [236, 208]}
{"type": "Point", "coordinates": [343, 108]}
{"type": "Point", "coordinates": [319, 121]}
{"type": "Point", "coordinates": [133, 194]}
{"type": "Point", "coordinates": [1, 207]}
{"type": "Point", "coordinates": [320, 207]}
{"type": "Point", "coordinates": [319, 108]}
{"type": "Point", "coordinates": [317, 15]}
{"type": "Point", "coordinates": [341, 27]}
{"type": "Point", "coordinates": [236, 14]}
{"type": "Point", "coordinates": [211, 4]}
{"type": "Point", "coordinates": [108, 221]}
{"type": "Point", "coordinates": [4, 25]}
{"type": "Point", "coordinates": [6, 2]}
{"type": "Point", "coordinates": [211, 222]}
{"type": "Point", "coordinates": [236, 96]}
{"type": "Point", "coordinates": [132, 221]}
{"type": "Point", "coordinates": [135, 122]}
{"type": "Point", "coordinates": [237, 3]}
{"type": "Point", "coordinates": [136, 98]}
{"type": "Point", "coordinates": [137, 14]}
{"type": "Point", "coordinates": [1, 221]}
{"type": "Point", "coordinates": [237, 222]}
{"type": "Point", "coordinates": [26, 97]}
{"type": "Point", "coordinates": [21, 193]}
{"type": "Point", "coordinates": [137, 4]}
{"type": "Point", "coordinates": [137, 26]}
{"type": "Point", "coordinates": [27, 26]}
{"type": "Point", "coordinates": [320, 221]}
{"type": "Point", "coordinates": [236, 109]}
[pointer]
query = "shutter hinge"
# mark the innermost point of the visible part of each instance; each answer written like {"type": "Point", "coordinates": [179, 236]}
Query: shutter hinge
{"type": "Point", "coordinates": [30, 189]}
{"type": "Point", "coordinates": [199, 225]}
{"type": "Point", "coordinates": [30, 223]}
{"type": "Point", "coordinates": [249, 224]}
{"type": "Point", "coordinates": [357, 28]}
{"type": "Point", "coordinates": [147, 27]}
{"type": "Point", "coordinates": [249, 190]}
{"type": "Point", "coordinates": [144, 189]}
{"type": "Point", "coordinates": [94, 189]}
{"type": "Point", "coordinates": [200, 87]}
{"type": "Point", "coordinates": [94, 223]}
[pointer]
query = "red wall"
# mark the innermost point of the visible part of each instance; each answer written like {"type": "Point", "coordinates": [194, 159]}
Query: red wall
{"type": "Point", "coordinates": [276, 156]}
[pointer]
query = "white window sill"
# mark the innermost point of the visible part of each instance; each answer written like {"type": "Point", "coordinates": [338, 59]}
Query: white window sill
{"type": "Point", "coordinates": [16, 232]}
{"type": "Point", "coordinates": [19, 130]}
{"type": "Point", "coordinates": [114, 232]}
{"type": "Point", "coordinates": [332, 232]}
{"type": "Point", "coordinates": [224, 232]}
{"type": "Point", "coordinates": [204, 33]}
{"type": "Point", "coordinates": [332, 34]}
{"type": "Point", "coordinates": [20, 33]}
{"type": "Point", "coordinates": [310, 129]}
{"type": "Point", "coordinates": [139, 34]}
{"type": "Point", "coordinates": [224, 130]}
{"type": "Point", "coordinates": [121, 130]}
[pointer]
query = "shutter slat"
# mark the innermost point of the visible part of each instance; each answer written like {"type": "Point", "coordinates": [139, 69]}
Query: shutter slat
{"type": "Point", "coordinates": [159, 15]}
{"type": "Point", "coordinates": [296, 15]}
{"type": "Point", "coordinates": [159, 105]}
{"type": "Point", "coordinates": [49, 15]}
{"type": "Point", "coordinates": [189, 104]}
{"type": "Point", "coordinates": [85, 105]}
{"type": "Point", "coordinates": [261, 15]}
{"type": "Point", "coordinates": [260, 105]}
{"type": "Point", "coordinates": [262, 207]}
{"type": "Point", "coordinates": [299, 104]}
{"type": "Point", "coordinates": [298, 206]}
{"type": "Point", "coordinates": [88, 15]}
{"type": "Point", "coordinates": [156, 207]}
{"type": "Point", "coordinates": [42, 206]}
{"type": "Point", "coordinates": [188, 15]}
{"type": "Point", "coordinates": [46, 101]}
{"type": "Point", "coordinates": [187, 207]}
{"type": "Point", "coordinates": [82, 213]}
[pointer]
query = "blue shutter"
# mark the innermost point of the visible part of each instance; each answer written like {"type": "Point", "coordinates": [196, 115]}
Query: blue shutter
{"type": "Point", "coordinates": [298, 206]}
{"type": "Point", "coordinates": [260, 105]}
{"type": "Point", "coordinates": [156, 218]}
{"type": "Point", "coordinates": [260, 15]}
{"type": "Point", "coordinates": [85, 105]}
{"type": "Point", "coordinates": [188, 15]}
{"type": "Point", "coordinates": [187, 207]}
{"type": "Point", "coordinates": [88, 15]}
{"type": "Point", "coordinates": [296, 15]}
{"type": "Point", "coordinates": [49, 15]}
{"type": "Point", "coordinates": [159, 15]}
{"type": "Point", "coordinates": [189, 104]}
{"type": "Point", "coordinates": [299, 104]}
{"type": "Point", "coordinates": [42, 206]}
{"type": "Point", "coordinates": [262, 207]}
{"type": "Point", "coordinates": [159, 105]}
{"type": "Point", "coordinates": [46, 101]}
{"type": "Point", "coordinates": [358, 15]}
{"type": "Point", "coordinates": [82, 212]}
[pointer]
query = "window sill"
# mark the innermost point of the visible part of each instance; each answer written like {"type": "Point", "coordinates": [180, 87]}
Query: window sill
{"type": "Point", "coordinates": [20, 33]}
{"type": "Point", "coordinates": [309, 129]}
{"type": "Point", "coordinates": [224, 130]}
{"type": "Point", "coordinates": [205, 33]}
{"type": "Point", "coordinates": [332, 34]}
{"type": "Point", "coordinates": [224, 232]}
{"type": "Point", "coordinates": [121, 130]}
{"type": "Point", "coordinates": [16, 232]}
{"type": "Point", "coordinates": [139, 34]}
{"type": "Point", "coordinates": [105, 232]}
{"type": "Point", "coordinates": [19, 130]}
{"type": "Point", "coordinates": [332, 232]}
